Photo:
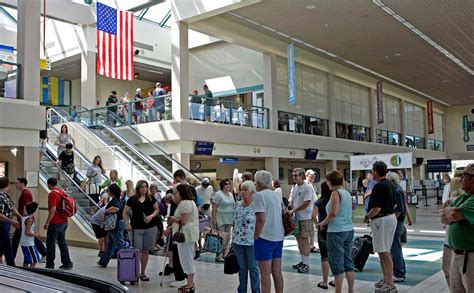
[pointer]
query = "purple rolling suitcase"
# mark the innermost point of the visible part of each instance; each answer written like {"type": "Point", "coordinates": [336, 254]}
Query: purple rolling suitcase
{"type": "Point", "coordinates": [128, 265]}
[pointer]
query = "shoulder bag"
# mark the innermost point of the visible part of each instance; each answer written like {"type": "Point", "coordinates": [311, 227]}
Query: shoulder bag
{"type": "Point", "coordinates": [179, 236]}
{"type": "Point", "coordinates": [213, 242]}
{"type": "Point", "coordinates": [110, 222]}
{"type": "Point", "coordinates": [231, 265]}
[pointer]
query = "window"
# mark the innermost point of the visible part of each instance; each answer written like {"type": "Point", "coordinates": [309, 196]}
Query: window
{"type": "Point", "coordinates": [351, 102]}
{"type": "Point", "coordinates": [352, 132]}
{"type": "Point", "coordinates": [435, 145]}
{"type": "Point", "coordinates": [414, 126]}
{"type": "Point", "coordinates": [388, 137]}
{"type": "Point", "coordinates": [291, 122]}
{"type": "Point", "coordinates": [311, 90]}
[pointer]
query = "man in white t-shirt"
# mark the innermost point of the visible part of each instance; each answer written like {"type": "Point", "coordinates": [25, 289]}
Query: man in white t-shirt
{"type": "Point", "coordinates": [205, 192]}
{"type": "Point", "coordinates": [310, 179]}
{"type": "Point", "coordinates": [302, 206]}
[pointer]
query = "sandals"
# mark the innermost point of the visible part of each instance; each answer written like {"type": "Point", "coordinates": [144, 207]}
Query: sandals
{"type": "Point", "coordinates": [320, 285]}
{"type": "Point", "coordinates": [185, 289]}
{"type": "Point", "coordinates": [332, 284]}
{"type": "Point", "coordinates": [144, 278]}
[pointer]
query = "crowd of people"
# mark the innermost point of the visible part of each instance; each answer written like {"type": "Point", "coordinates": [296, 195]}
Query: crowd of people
{"type": "Point", "coordinates": [248, 216]}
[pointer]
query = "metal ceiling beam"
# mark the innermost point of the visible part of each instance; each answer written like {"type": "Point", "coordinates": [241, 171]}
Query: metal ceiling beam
{"type": "Point", "coordinates": [149, 4]}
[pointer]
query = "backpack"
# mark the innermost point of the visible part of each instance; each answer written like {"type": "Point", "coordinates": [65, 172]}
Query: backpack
{"type": "Point", "coordinates": [68, 206]}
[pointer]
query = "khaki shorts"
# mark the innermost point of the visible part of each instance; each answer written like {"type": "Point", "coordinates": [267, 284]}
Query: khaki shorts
{"type": "Point", "coordinates": [306, 228]}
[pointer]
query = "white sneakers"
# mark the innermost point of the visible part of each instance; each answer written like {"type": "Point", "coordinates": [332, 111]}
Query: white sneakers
{"type": "Point", "coordinates": [178, 284]}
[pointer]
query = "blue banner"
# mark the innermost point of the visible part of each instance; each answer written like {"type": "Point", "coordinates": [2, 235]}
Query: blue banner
{"type": "Point", "coordinates": [291, 74]}
{"type": "Point", "coordinates": [61, 92]}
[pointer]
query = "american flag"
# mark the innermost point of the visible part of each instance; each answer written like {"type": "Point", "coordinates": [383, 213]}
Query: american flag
{"type": "Point", "coordinates": [114, 43]}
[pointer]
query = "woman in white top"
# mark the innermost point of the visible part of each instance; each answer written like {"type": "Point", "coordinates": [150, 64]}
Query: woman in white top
{"type": "Point", "coordinates": [63, 138]}
{"type": "Point", "coordinates": [446, 188]}
{"type": "Point", "coordinates": [94, 173]}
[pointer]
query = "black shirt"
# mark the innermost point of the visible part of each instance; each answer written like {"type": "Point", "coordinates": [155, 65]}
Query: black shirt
{"type": "Point", "coordinates": [115, 202]}
{"type": "Point", "coordinates": [139, 211]}
{"type": "Point", "coordinates": [399, 198]}
{"type": "Point", "coordinates": [138, 102]}
{"type": "Point", "coordinates": [66, 159]}
{"type": "Point", "coordinates": [110, 101]}
{"type": "Point", "coordinates": [382, 197]}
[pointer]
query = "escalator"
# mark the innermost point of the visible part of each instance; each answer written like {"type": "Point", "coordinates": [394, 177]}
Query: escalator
{"type": "Point", "coordinates": [86, 206]}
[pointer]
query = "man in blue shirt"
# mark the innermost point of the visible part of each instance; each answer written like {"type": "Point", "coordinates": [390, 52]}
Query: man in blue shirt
{"type": "Point", "coordinates": [158, 102]}
{"type": "Point", "coordinates": [367, 193]}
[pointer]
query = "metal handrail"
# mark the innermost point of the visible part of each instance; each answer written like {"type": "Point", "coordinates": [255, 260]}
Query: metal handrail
{"type": "Point", "coordinates": [64, 174]}
{"type": "Point", "coordinates": [162, 151]}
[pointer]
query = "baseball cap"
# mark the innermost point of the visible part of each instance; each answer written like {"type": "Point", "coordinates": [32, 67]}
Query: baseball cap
{"type": "Point", "coordinates": [469, 169]}
{"type": "Point", "coordinates": [205, 181]}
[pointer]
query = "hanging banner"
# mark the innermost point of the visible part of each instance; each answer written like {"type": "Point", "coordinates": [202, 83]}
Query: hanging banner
{"type": "Point", "coordinates": [429, 107]}
{"type": "Point", "coordinates": [291, 74]}
{"type": "Point", "coordinates": [465, 128]}
{"type": "Point", "coordinates": [393, 161]}
{"type": "Point", "coordinates": [379, 102]}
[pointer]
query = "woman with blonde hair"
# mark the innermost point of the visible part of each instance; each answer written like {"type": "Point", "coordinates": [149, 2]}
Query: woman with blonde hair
{"type": "Point", "coordinates": [455, 187]}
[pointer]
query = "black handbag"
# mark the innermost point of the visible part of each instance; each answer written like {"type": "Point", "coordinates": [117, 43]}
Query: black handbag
{"type": "Point", "coordinates": [231, 265]}
{"type": "Point", "coordinates": [179, 236]}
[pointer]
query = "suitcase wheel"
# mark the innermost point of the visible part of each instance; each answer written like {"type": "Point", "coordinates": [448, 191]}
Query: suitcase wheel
{"type": "Point", "coordinates": [122, 283]}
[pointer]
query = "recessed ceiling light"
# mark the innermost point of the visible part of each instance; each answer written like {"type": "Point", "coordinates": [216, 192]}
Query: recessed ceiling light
{"type": "Point", "coordinates": [397, 54]}
{"type": "Point", "coordinates": [311, 6]}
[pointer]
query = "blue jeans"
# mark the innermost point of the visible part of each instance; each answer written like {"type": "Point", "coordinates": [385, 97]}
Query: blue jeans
{"type": "Point", "coordinates": [6, 244]}
{"type": "Point", "coordinates": [115, 240]}
{"type": "Point", "coordinates": [339, 245]}
{"type": "Point", "coordinates": [399, 270]}
{"type": "Point", "coordinates": [57, 232]}
{"type": "Point", "coordinates": [247, 263]}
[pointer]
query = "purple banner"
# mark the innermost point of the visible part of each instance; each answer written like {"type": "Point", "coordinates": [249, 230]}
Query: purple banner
{"type": "Point", "coordinates": [379, 102]}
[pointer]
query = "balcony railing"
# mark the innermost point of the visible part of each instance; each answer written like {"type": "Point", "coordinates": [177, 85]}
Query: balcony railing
{"type": "Point", "coordinates": [10, 75]}
{"type": "Point", "coordinates": [200, 108]}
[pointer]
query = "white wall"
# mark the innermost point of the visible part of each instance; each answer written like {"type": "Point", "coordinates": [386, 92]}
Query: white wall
{"type": "Point", "coordinates": [244, 66]}
{"type": "Point", "coordinates": [76, 92]}
{"type": "Point", "coordinates": [156, 36]}
{"type": "Point", "coordinates": [455, 145]}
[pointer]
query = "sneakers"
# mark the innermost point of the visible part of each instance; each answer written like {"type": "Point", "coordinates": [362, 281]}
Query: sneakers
{"type": "Point", "coordinates": [168, 271]}
{"type": "Point", "coordinates": [399, 279]}
{"type": "Point", "coordinates": [303, 268]}
{"type": "Point", "coordinates": [219, 258]}
{"type": "Point", "coordinates": [298, 265]}
{"type": "Point", "coordinates": [43, 259]}
{"type": "Point", "coordinates": [379, 284]}
{"type": "Point", "coordinates": [387, 289]}
{"type": "Point", "coordinates": [177, 284]}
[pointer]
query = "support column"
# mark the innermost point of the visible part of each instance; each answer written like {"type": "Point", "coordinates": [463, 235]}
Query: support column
{"type": "Point", "coordinates": [183, 159]}
{"type": "Point", "coordinates": [331, 106]}
{"type": "Point", "coordinates": [270, 89]}
{"type": "Point", "coordinates": [272, 165]}
{"type": "Point", "coordinates": [402, 123]}
{"type": "Point", "coordinates": [373, 115]}
{"type": "Point", "coordinates": [330, 165]}
{"type": "Point", "coordinates": [28, 46]}
{"type": "Point", "coordinates": [27, 160]}
{"type": "Point", "coordinates": [88, 69]}
{"type": "Point", "coordinates": [179, 71]}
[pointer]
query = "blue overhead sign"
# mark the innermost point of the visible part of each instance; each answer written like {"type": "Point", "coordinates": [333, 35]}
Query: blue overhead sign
{"type": "Point", "coordinates": [291, 74]}
{"type": "Point", "coordinates": [229, 160]}
{"type": "Point", "coordinates": [438, 166]}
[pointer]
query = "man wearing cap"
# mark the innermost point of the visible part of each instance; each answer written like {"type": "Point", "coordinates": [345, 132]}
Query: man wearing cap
{"type": "Point", "coordinates": [138, 104]}
{"type": "Point", "coordinates": [205, 192]}
{"type": "Point", "coordinates": [460, 217]}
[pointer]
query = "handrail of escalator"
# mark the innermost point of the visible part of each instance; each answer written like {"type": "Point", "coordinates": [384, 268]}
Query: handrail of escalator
{"type": "Point", "coordinates": [76, 151]}
{"type": "Point", "coordinates": [147, 159]}
{"type": "Point", "coordinates": [65, 175]}
{"type": "Point", "coordinates": [162, 151]}
{"type": "Point", "coordinates": [122, 152]}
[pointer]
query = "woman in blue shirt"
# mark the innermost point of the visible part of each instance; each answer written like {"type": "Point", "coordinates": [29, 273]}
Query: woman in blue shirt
{"type": "Point", "coordinates": [244, 229]}
{"type": "Point", "coordinates": [340, 231]}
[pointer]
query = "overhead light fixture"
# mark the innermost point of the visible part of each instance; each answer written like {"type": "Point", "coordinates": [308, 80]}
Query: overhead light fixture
{"type": "Point", "coordinates": [310, 6]}
{"type": "Point", "coordinates": [14, 151]}
{"type": "Point", "coordinates": [154, 71]}
{"type": "Point", "coordinates": [422, 35]}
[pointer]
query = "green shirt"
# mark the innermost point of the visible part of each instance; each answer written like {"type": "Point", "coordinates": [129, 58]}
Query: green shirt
{"type": "Point", "coordinates": [461, 233]}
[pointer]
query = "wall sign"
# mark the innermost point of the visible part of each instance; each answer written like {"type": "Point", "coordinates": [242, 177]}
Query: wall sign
{"type": "Point", "coordinates": [379, 92]}
{"type": "Point", "coordinates": [393, 161]}
{"type": "Point", "coordinates": [438, 166]}
{"type": "Point", "coordinates": [229, 160]}
{"type": "Point", "coordinates": [470, 147]}
{"type": "Point", "coordinates": [429, 108]}
{"type": "Point", "coordinates": [291, 74]}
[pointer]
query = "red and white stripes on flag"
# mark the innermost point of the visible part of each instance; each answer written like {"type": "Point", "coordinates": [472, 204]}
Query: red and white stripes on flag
{"type": "Point", "coordinates": [114, 43]}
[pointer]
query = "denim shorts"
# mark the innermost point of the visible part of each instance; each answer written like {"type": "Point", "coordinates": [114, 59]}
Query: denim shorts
{"type": "Point", "coordinates": [267, 250]}
{"type": "Point", "coordinates": [339, 245]}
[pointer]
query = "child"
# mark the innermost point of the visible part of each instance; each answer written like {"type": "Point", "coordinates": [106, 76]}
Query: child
{"type": "Point", "coordinates": [27, 240]}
